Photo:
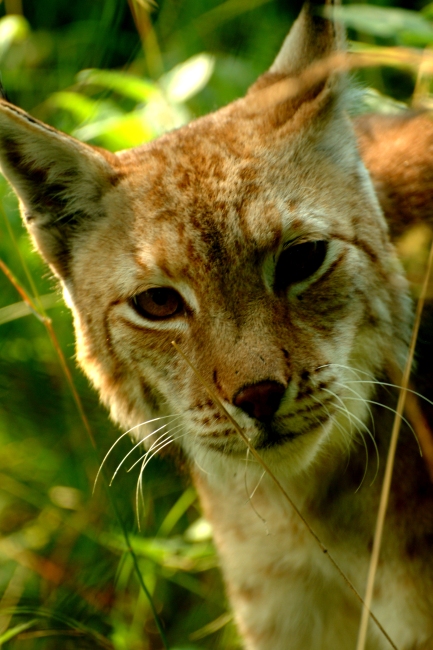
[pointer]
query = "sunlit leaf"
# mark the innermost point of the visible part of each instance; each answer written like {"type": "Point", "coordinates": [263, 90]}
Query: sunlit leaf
{"type": "Point", "coordinates": [187, 79]}
{"type": "Point", "coordinates": [120, 132]}
{"type": "Point", "coordinates": [171, 553]}
{"type": "Point", "coordinates": [161, 116]}
{"type": "Point", "coordinates": [13, 28]}
{"type": "Point", "coordinates": [127, 85]}
{"type": "Point", "coordinates": [81, 107]}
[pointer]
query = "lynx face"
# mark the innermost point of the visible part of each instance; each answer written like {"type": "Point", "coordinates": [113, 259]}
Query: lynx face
{"type": "Point", "coordinates": [253, 239]}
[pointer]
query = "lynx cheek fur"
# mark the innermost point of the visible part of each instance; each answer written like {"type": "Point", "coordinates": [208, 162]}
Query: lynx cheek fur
{"type": "Point", "coordinates": [253, 238]}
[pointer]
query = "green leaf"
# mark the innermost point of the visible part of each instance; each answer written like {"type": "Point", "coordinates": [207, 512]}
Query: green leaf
{"type": "Point", "coordinates": [124, 83]}
{"type": "Point", "coordinates": [187, 79]}
{"type": "Point", "coordinates": [12, 29]}
{"type": "Point", "coordinates": [118, 132]}
{"type": "Point", "coordinates": [81, 107]}
{"type": "Point", "coordinates": [14, 631]}
{"type": "Point", "coordinates": [386, 22]}
{"type": "Point", "coordinates": [172, 553]}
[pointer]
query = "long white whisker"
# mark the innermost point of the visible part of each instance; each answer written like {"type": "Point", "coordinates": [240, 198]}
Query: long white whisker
{"type": "Point", "coordinates": [343, 406]}
{"type": "Point", "coordinates": [405, 420]}
{"type": "Point", "coordinates": [345, 410]}
{"type": "Point", "coordinates": [337, 424]}
{"type": "Point", "coordinates": [146, 461]}
{"type": "Point", "coordinates": [140, 442]}
{"type": "Point", "coordinates": [354, 370]}
{"type": "Point", "coordinates": [388, 408]}
{"type": "Point", "coordinates": [371, 434]}
{"type": "Point", "coordinates": [249, 498]}
{"type": "Point", "coordinates": [384, 383]}
{"type": "Point", "coordinates": [154, 444]}
{"type": "Point", "coordinates": [257, 486]}
{"type": "Point", "coordinates": [363, 426]}
{"type": "Point", "coordinates": [202, 468]}
{"type": "Point", "coordinates": [161, 446]}
{"type": "Point", "coordinates": [162, 417]}
{"type": "Point", "coordinates": [363, 399]}
{"type": "Point", "coordinates": [351, 415]}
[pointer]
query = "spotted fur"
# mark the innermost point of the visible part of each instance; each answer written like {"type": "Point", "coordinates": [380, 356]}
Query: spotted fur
{"type": "Point", "coordinates": [216, 212]}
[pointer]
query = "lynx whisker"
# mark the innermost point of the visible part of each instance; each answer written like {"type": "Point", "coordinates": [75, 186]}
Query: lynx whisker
{"type": "Point", "coordinates": [371, 433]}
{"type": "Point", "coordinates": [393, 410]}
{"type": "Point", "coordinates": [331, 417]}
{"type": "Point", "coordinates": [158, 441]}
{"type": "Point", "coordinates": [351, 437]}
{"type": "Point", "coordinates": [250, 496]}
{"type": "Point", "coordinates": [120, 438]}
{"type": "Point", "coordinates": [400, 388]}
{"type": "Point", "coordinates": [360, 397]}
{"type": "Point", "coordinates": [202, 469]}
{"type": "Point", "coordinates": [257, 486]}
{"type": "Point", "coordinates": [140, 442]}
{"type": "Point", "coordinates": [362, 427]}
{"type": "Point", "coordinates": [350, 415]}
{"type": "Point", "coordinates": [342, 408]}
{"type": "Point", "coordinates": [349, 368]}
{"type": "Point", "coordinates": [146, 460]}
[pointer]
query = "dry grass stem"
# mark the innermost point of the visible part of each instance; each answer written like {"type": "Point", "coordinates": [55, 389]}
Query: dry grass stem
{"type": "Point", "coordinates": [384, 497]}
{"type": "Point", "coordinates": [49, 326]}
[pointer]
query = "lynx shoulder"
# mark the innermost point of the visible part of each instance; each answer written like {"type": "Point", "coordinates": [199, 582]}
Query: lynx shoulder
{"type": "Point", "coordinates": [256, 239]}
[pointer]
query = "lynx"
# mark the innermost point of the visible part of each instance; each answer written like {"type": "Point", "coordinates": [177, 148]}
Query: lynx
{"type": "Point", "coordinates": [256, 240]}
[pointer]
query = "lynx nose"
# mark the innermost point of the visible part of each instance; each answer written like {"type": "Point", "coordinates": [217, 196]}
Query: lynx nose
{"type": "Point", "coordinates": [260, 401]}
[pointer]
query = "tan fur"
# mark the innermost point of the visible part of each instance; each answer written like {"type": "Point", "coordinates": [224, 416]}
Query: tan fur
{"type": "Point", "coordinates": [211, 212]}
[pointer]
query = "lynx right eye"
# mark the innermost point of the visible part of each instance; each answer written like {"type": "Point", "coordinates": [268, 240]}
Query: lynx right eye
{"type": "Point", "coordinates": [158, 303]}
{"type": "Point", "coordinates": [298, 262]}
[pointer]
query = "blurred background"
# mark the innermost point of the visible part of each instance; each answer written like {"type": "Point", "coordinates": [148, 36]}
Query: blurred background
{"type": "Point", "coordinates": [118, 73]}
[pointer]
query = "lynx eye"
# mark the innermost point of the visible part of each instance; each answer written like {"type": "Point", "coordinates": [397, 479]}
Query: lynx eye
{"type": "Point", "coordinates": [158, 303]}
{"type": "Point", "coordinates": [298, 262]}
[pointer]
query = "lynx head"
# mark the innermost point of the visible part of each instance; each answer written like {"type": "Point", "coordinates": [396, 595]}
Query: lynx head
{"type": "Point", "coordinates": [251, 237]}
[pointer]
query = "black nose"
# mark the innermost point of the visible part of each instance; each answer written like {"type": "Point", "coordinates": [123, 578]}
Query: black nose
{"type": "Point", "coordinates": [260, 401]}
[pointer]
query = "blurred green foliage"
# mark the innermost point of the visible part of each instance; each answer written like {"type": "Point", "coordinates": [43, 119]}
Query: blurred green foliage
{"type": "Point", "coordinates": [116, 75]}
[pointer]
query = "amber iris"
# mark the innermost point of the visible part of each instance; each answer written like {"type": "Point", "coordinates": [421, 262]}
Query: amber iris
{"type": "Point", "coordinates": [158, 303]}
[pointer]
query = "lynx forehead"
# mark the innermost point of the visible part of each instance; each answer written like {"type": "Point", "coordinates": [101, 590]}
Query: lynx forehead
{"type": "Point", "coordinates": [255, 240]}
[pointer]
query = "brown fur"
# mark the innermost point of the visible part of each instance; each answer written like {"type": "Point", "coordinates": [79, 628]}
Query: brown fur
{"type": "Point", "coordinates": [224, 214]}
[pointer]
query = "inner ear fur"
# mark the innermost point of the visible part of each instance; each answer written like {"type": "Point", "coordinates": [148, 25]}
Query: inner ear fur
{"type": "Point", "coordinates": [59, 181]}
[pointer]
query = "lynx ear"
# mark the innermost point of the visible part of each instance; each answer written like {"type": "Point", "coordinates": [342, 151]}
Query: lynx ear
{"type": "Point", "coordinates": [313, 36]}
{"type": "Point", "coordinates": [60, 182]}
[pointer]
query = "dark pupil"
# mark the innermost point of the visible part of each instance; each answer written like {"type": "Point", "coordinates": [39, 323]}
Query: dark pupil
{"type": "Point", "coordinates": [298, 262]}
{"type": "Point", "coordinates": [159, 296]}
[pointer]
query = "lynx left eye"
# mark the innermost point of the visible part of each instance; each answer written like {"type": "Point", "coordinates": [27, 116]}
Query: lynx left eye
{"type": "Point", "coordinates": [298, 262]}
{"type": "Point", "coordinates": [158, 304]}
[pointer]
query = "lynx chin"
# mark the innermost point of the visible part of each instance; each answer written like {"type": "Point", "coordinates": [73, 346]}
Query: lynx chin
{"type": "Point", "coordinates": [260, 239]}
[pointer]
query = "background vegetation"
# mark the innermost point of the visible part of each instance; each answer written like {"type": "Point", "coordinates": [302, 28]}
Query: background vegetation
{"type": "Point", "coordinates": [116, 74]}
